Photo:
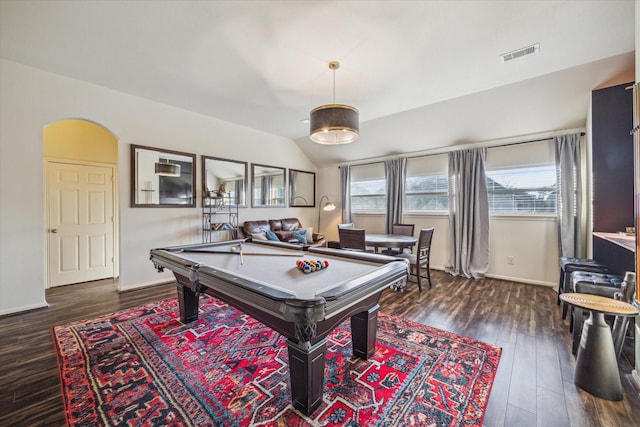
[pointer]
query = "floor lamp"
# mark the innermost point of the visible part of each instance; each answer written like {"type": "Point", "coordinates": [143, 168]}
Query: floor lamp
{"type": "Point", "coordinates": [328, 206]}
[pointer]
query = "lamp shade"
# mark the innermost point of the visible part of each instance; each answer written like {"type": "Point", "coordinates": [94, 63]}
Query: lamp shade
{"type": "Point", "coordinates": [334, 124]}
{"type": "Point", "coordinates": [167, 169]}
{"type": "Point", "coordinates": [329, 206]}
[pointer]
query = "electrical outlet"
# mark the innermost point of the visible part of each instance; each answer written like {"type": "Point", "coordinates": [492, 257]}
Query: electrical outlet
{"type": "Point", "coordinates": [510, 260]}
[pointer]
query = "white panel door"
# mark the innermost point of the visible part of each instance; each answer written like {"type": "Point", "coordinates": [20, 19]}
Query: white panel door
{"type": "Point", "coordinates": [80, 223]}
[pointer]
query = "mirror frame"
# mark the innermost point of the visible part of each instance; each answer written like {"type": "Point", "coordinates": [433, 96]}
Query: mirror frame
{"type": "Point", "coordinates": [295, 196]}
{"type": "Point", "coordinates": [134, 180]}
{"type": "Point", "coordinates": [219, 159]}
{"type": "Point", "coordinates": [253, 186]}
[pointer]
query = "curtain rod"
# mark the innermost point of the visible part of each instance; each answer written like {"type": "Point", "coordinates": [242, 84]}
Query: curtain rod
{"type": "Point", "coordinates": [503, 142]}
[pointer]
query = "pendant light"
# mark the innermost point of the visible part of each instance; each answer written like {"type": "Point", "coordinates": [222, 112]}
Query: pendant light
{"type": "Point", "coordinates": [334, 124]}
{"type": "Point", "coordinates": [164, 168]}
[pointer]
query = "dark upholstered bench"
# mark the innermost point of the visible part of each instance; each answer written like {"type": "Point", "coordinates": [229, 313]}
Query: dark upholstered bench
{"type": "Point", "coordinates": [569, 265]}
{"type": "Point", "coordinates": [587, 282]}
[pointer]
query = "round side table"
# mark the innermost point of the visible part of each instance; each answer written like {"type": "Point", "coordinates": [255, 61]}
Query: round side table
{"type": "Point", "coordinates": [596, 364]}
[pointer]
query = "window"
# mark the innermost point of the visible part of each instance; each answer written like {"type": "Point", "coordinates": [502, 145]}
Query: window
{"type": "Point", "coordinates": [427, 193]}
{"type": "Point", "coordinates": [368, 188]}
{"type": "Point", "coordinates": [525, 190]}
{"type": "Point", "coordinates": [521, 179]}
{"type": "Point", "coordinates": [426, 185]}
{"type": "Point", "coordinates": [368, 195]}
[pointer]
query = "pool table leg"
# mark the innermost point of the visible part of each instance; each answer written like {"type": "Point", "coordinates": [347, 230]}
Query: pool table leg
{"type": "Point", "coordinates": [306, 373]}
{"type": "Point", "coordinates": [188, 303]}
{"type": "Point", "coordinates": [364, 326]}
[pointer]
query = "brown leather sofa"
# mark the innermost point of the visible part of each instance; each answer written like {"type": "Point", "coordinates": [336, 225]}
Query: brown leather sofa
{"type": "Point", "coordinates": [282, 228]}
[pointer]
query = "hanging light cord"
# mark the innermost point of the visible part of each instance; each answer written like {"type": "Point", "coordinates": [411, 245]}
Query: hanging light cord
{"type": "Point", "coordinates": [334, 85]}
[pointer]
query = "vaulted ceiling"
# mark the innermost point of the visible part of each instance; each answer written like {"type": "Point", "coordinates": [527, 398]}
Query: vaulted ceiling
{"type": "Point", "coordinates": [424, 74]}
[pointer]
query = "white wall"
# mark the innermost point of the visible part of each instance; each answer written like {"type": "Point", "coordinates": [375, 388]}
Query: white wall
{"type": "Point", "coordinates": [32, 99]}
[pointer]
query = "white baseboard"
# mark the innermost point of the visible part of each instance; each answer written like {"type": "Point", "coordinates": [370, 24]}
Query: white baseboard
{"type": "Point", "coordinates": [511, 279]}
{"type": "Point", "coordinates": [131, 287]}
{"type": "Point", "coordinates": [14, 310]}
{"type": "Point", "coordinates": [521, 280]}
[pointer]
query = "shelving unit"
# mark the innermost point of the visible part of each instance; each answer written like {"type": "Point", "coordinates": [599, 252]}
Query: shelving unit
{"type": "Point", "coordinates": [219, 218]}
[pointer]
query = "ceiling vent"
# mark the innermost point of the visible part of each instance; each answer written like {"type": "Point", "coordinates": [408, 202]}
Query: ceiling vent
{"type": "Point", "coordinates": [529, 50]}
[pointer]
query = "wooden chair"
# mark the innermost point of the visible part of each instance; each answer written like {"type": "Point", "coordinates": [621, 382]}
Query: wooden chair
{"type": "Point", "coordinates": [403, 230]}
{"type": "Point", "coordinates": [352, 238]}
{"type": "Point", "coordinates": [421, 257]}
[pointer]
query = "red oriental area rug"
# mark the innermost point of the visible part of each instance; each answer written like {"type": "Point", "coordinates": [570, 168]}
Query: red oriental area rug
{"type": "Point", "coordinates": [143, 367]}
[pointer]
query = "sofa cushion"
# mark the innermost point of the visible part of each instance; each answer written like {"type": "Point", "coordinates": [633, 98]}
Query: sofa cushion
{"type": "Point", "coordinates": [310, 237]}
{"type": "Point", "coordinates": [290, 224]}
{"type": "Point", "coordinates": [275, 224]}
{"type": "Point", "coordinates": [300, 235]}
{"type": "Point", "coordinates": [272, 236]}
{"type": "Point", "coordinates": [251, 227]}
{"type": "Point", "coordinates": [260, 235]}
{"type": "Point", "coordinates": [284, 236]}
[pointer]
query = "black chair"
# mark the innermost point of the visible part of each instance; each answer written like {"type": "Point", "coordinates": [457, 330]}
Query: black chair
{"type": "Point", "coordinates": [421, 257]}
{"type": "Point", "coordinates": [345, 225]}
{"type": "Point", "coordinates": [403, 230]}
{"type": "Point", "coordinates": [352, 239]}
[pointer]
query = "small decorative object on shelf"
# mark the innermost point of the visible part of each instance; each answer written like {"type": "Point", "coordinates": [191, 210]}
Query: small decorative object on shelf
{"type": "Point", "coordinates": [219, 216]}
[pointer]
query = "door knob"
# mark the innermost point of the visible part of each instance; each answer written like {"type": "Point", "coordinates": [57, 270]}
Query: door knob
{"type": "Point", "coordinates": [54, 230]}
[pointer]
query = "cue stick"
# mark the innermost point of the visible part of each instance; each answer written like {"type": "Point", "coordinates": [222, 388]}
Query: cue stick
{"type": "Point", "coordinates": [241, 256]}
{"type": "Point", "coordinates": [238, 253]}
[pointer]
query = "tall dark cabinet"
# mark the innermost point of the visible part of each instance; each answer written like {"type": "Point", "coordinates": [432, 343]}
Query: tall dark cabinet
{"type": "Point", "coordinates": [613, 176]}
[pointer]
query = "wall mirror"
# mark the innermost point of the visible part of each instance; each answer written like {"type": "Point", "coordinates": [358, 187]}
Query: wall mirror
{"type": "Point", "coordinates": [302, 188]}
{"type": "Point", "coordinates": [162, 178]}
{"type": "Point", "coordinates": [268, 186]}
{"type": "Point", "coordinates": [228, 176]}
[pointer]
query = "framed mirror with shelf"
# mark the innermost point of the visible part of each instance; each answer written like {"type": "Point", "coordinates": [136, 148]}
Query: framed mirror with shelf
{"type": "Point", "coordinates": [162, 178]}
{"type": "Point", "coordinates": [268, 186]}
{"type": "Point", "coordinates": [302, 189]}
{"type": "Point", "coordinates": [224, 176]}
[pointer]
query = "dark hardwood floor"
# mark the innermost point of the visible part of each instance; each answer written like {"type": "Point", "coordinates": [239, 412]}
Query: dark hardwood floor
{"type": "Point", "coordinates": [533, 386]}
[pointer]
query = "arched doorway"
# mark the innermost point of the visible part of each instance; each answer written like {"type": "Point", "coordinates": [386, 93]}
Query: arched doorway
{"type": "Point", "coordinates": [80, 160]}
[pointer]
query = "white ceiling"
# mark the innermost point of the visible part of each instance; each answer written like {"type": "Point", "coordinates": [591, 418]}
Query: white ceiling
{"type": "Point", "coordinates": [423, 74]}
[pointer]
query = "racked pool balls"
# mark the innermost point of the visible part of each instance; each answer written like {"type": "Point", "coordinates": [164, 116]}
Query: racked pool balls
{"type": "Point", "coordinates": [311, 265]}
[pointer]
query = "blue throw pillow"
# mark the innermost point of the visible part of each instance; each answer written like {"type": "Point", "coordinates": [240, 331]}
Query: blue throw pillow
{"type": "Point", "coordinates": [300, 235]}
{"type": "Point", "coordinates": [272, 236]}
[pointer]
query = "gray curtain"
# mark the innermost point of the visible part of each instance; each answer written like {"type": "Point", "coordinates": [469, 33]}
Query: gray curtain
{"type": "Point", "coordinates": [568, 165]}
{"type": "Point", "coordinates": [468, 213]}
{"type": "Point", "coordinates": [394, 172]}
{"type": "Point", "coordinates": [236, 189]}
{"type": "Point", "coordinates": [345, 183]}
{"type": "Point", "coordinates": [265, 190]}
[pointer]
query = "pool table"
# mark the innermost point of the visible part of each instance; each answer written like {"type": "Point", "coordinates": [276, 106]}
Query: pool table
{"type": "Point", "coordinates": [263, 281]}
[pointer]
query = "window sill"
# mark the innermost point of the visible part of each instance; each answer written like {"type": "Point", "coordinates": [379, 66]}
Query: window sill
{"type": "Point", "coordinates": [368, 213]}
{"type": "Point", "coordinates": [524, 217]}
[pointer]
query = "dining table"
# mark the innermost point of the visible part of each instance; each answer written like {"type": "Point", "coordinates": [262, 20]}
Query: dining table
{"type": "Point", "coordinates": [382, 240]}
